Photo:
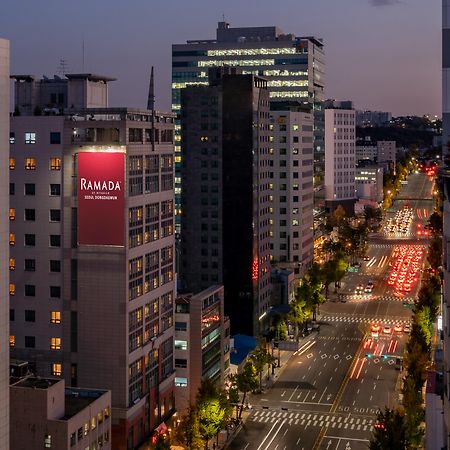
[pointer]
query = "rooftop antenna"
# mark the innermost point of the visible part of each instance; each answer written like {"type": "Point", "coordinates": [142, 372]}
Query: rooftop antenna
{"type": "Point", "coordinates": [83, 57]}
{"type": "Point", "coordinates": [151, 92]}
{"type": "Point", "coordinates": [62, 68]}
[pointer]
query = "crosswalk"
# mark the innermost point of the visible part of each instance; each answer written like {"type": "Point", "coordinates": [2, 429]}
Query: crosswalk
{"type": "Point", "coordinates": [360, 319]}
{"type": "Point", "coordinates": [382, 298]}
{"type": "Point", "coordinates": [313, 419]}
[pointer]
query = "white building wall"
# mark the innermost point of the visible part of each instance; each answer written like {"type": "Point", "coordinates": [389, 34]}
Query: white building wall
{"type": "Point", "coordinates": [4, 250]}
{"type": "Point", "coordinates": [292, 189]}
{"type": "Point", "coordinates": [339, 154]}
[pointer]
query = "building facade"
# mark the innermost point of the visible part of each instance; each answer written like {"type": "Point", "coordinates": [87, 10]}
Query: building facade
{"type": "Point", "coordinates": [369, 183]}
{"type": "Point", "coordinates": [45, 414]}
{"type": "Point", "coordinates": [387, 155]}
{"type": "Point", "coordinates": [340, 158]}
{"type": "Point", "coordinates": [4, 250]}
{"type": "Point", "coordinates": [92, 257]}
{"type": "Point", "coordinates": [291, 164]}
{"type": "Point", "coordinates": [202, 343]}
{"type": "Point", "coordinates": [226, 215]}
{"type": "Point", "coordinates": [372, 118]}
{"type": "Point", "coordinates": [294, 67]}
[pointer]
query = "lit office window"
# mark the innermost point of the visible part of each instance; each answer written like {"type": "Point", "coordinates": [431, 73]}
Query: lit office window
{"type": "Point", "coordinates": [12, 289]}
{"type": "Point", "coordinates": [55, 343]}
{"type": "Point", "coordinates": [12, 213]}
{"type": "Point", "coordinates": [56, 369]}
{"type": "Point", "coordinates": [12, 340]}
{"type": "Point", "coordinates": [12, 263]}
{"type": "Point", "coordinates": [12, 163]}
{"type": "Point", "coordinates": [55, 317]}
{"type": "Point", "coordinates": [30, 138]}
{"type": "Point", "coordinates": [55, 163]}
{"type": "Point", "coordinates": [30, 163]}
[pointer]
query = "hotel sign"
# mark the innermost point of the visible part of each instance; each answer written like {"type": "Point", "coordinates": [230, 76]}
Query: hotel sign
{"type": "Point", "coordinates": [101, 198]}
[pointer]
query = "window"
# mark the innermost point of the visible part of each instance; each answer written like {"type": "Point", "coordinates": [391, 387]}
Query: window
{"type": "Point", "coordinates": [181, 363]}
{"type": "Point", "coordinates": [12, 213]}
{"type": "Point", "coordinates": [30, 189]}
{"type": "Point", "coordinates": [12, 340]}
{"type": "Point", "coordinates": [55, 343]}
{"type": "Point", "coordinates": [12, 239]}
{"type": "Point", "coordinates": [55, 190]}
{"type": "Point", "coordinates": [12, 188]}
{"type": "Point", "coordinates": [12, 137]}
{"type": "Point", "coordinates": [30, 290]}
{"type": "Point", "coordinates": [180, 326]}
{"type": "Point", "coordinates": [56, 369]}
{"type": "Point", "coordinates": [30, 342]}
{"type": "Point", "coordinates": [12, 289]}
{"type": "Point", "coordinates": [55, 215]}
{"type": "Point", "coordinates": [55, 240]}
{"type": "Point", "coordinates": [12, 163]}
{"type": "Point", "coordinates": [30, 138]}
{"type": "Point", "coordinates": [30, 215]}
{"type": "Point", "coordinates": [30, 315]}
{"type": "Point", "coordinates": [12, 263]}
{"type": "Point", "coordinates": [180, 345]}
{"type": "Point", "coordinates": [181, 381]}
{"type": "Point", "coordinates": [30, 163]}
{"type": "Point", "coordinates": [55, 163]}
{"type": "Point", "coordinates": [55, 265]}
{"type": "Point", "coordinates": [30, 240]}
{"type": "Point", "coordinates": [48, 441]}
{"type": "Point", "coordinates": [93, 423]}
{"type": "Point", "coordinates": [55, 317]}
{"type": "Point", "coordinates": [55, 137]}
{"type": "Point", "coordinates": [73, 439]}
{"type": "Point", "coordinates": [80, 433]}
{"type": "Point", "coordinates": [55, 291]}
{"type": "Point", "coordinates": [86, 428]}
{"type": "Point", "coordinates": [12, 315]}
{"type": "Point", "coordinates": [30, 265]}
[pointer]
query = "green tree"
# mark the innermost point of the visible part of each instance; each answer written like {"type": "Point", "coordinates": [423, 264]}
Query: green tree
{"type": "Point", "coordinates": [415, 413]}
{"type": "Point", "coordinates": [260, 358]}
{"type": "Point", "coordinates": [188, 433]}
{"type": "Point", "coordinates": [212, 418]}
{"type": "Point", "coordinates": [416, 358]}
{"type": "Point", "coordinates": [424, 320]}
{"type": "Point", "coordinates": [435, 221]}
{"type": "Point", "coordinates": [299, 310]}
{"type": "Point", "coordinates": [434, 256]}
{"type": "Point", "coordinates": [390, 431]}
{"type": "Point", "coordinates": [314, 278]}
{"type": "Point", "coordinates": [338, 216]}
{"type": "Point", "coordinates": [245, 381]}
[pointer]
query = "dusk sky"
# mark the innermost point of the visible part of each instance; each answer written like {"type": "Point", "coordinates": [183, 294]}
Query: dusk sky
{"type": "Point", "coordinates": [382, 54]}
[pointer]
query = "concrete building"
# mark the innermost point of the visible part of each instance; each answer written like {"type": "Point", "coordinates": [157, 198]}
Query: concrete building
{"type": "Point", "coordinates": [291, 184]}
{"type": "Point", "coordinates": [202, 343]}
{"type": "Point", "coordinates": [45, 414]}
{"type": "Point", "coordinates": [372, 118]}
{"type": "Point", "coordinates": [369, 183]}
{"type": "Point", "coordinates": [226, 172]}
{"type": "Point", "coordinates": [387, 151]}
{"type": "Point", "coordinates": [293, 65]}
{"type": "Point", "coordinates": [340, 158]}
{"type": "Point", "coordinates": [92, 256]}
{"type": "Point", "coordinates": [366, 152]}
{"type": "Point", "coordinates": [4, 250]}
{"type": "Point", "coordinates": [57, 94]}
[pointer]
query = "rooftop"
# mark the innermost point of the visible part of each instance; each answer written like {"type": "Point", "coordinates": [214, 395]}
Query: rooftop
{"type": "Point", "coordinates": [78, 399]}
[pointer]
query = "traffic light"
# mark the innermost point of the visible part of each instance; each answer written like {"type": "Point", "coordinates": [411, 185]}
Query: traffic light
{"type": "Point", "coordinates": [369, 355]}
{"type": "Point", "coordinates": [385, 357]}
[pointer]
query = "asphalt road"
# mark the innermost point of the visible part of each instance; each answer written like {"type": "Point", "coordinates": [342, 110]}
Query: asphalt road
{"type": "Point", "coordinates": [329, 392]}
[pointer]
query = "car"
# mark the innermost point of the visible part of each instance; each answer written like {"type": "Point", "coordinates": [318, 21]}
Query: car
{"type": "Point", "coordinates": [359, 289]}
{"type": "Point", "coordinates": [407, 328]}
{"type": "Point", "coordinates": [398, 328]}
{"type": "Point", "coordinates": [375, 329]}
{"type": "Point", "coordinates": [366, 258]}
{"type": "Point", "coordinates": [387, 329]}
{"type": "Point", "coordinates": [368, 289]}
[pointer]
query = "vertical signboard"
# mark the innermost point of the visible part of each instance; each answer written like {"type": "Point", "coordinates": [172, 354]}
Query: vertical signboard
{"type": "Point", "coordinates": [101, 199]}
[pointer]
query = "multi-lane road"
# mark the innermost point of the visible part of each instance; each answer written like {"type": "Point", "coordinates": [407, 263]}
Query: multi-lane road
{"type": "Point", "coordinates": [330, 390]}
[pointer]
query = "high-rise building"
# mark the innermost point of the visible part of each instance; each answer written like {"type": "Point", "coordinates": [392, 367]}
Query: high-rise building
{"type": "Point", "coordinates": [92, 255]}
{"type": "Point", "coordinates": [4, 250]}
{"type": "Point", "coordinates": [226, 174]}
{"type": "Point", "coordinates": [445, 176]}
{"type": "Point", "coordinates": [340, 158]}
{"type": "Point", "coordinates": [202, 343]}
{"type": "Point", "coordinates": [293, 65]}
{"type": "Point", "coordinates": [291, 164]}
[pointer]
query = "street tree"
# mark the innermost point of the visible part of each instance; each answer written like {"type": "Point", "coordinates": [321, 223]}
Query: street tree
{"type": "Point", "coordinates": [245, 381]}
{"type": "Point", "coordinates": [187, 432]}
{"type": "Point", "coordinates": [260, 358]}
{"type": "Point", "coordinates": [390, 431]}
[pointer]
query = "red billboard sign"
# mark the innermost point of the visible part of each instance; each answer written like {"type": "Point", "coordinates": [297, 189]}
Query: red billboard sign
{"type": "Point", "coordinates": [101, 184]}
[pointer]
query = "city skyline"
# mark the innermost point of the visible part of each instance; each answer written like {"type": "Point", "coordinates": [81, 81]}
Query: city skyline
{"type": "Point", "coordinates": [392, 36]}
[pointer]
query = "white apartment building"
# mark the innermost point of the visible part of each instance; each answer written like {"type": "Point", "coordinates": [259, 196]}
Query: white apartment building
{"type": "Point", "coordinates": [4, 250]}
{"type": "Point", "coordinates": [340, 158]}
{"type": "Point", "coordinates": [292, 188]}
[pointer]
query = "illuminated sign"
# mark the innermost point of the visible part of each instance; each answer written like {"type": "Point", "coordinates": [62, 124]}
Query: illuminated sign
{"type": "Point", "coordinates": [101, 202]}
